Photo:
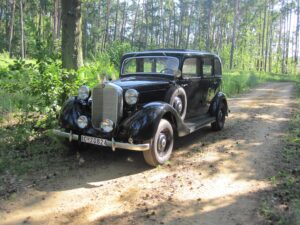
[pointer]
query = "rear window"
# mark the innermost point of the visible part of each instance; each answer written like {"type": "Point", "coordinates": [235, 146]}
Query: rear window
{"type": "Point", "coordinates": [218, 68]}
{"type": "Point", "coordinates": [207, 67]}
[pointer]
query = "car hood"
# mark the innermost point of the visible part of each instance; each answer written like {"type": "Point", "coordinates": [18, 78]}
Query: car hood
{"type": "Point", "coordinates": [143, 84]}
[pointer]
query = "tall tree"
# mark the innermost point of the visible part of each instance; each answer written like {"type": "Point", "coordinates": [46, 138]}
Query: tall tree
{"type": "Point", "coordinates": [71, 34]}
{"type": "Point", "coordinates": [11, 26]}
{"type": "Point", "coordinates": [22, 30]}
{"type": "Point", "coordinates": [236, 16]}
{"type": "Point", "coordinates": [116, 20]}
{"type": "Point", "coordinates": [297, 33]}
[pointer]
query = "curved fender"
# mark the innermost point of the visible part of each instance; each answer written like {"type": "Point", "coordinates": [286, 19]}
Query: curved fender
{"type": "Point", "coordinates": [71, 110]}
{"type": "Point", "coordinates": [219, 97]}
{"type": "Point", "coordinates": [143, 124]}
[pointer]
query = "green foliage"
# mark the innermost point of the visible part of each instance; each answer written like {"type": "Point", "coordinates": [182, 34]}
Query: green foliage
{"type": "Point", "coordinates": [116, 50]}
{"type": "Point", "coordinates": [24, 149]}
{"type": "Point", "coordinates": [95, 71]}
{"type": "Point", "coordinates": [235, 82]}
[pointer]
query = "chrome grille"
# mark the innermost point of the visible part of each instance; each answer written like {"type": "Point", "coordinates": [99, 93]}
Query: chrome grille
{"type": "Point", "coordinates": [107, 103]}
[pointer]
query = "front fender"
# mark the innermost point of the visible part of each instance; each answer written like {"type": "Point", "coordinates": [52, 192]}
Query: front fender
{"type": "Point", "coordinates": [142, 125]}
{"type": "Point", "coordinates": [70, 111]}
{"type": "Point", "coordinates": [219, 97]}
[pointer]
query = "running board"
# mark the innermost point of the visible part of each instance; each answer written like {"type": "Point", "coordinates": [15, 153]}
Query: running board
{"type": "Point", "coordinates": [199, 122]}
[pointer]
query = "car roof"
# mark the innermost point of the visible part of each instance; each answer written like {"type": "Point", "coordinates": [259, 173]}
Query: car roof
{"type": "Point", "coordinates": [178, 52]}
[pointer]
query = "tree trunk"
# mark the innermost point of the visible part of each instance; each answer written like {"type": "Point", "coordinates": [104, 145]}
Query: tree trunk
{"type": "Point", "coordinates": [71, 34]}
{"type": "Point", "coordinates": [123, 22]}
{"type": "Point", "coordinates": [263, 37]}
{"type": "Point", "coordinates": [56, 21]}
{"type": "Point", "coordinates": [289, 24]}
{"type": "Point", "coordinates": [134, 22]}
{"type": "Point", "coordinates": [7, 28]}
{"type": "Point", "coordinates": [297, 33]}
{"type": "Point", "coordinates": [174, 27]}
{"type": "Point", "coordinates": [163, 22]}
{"type": "Point", "coordinates": [11, 27]}
{"type": "Point", "coordinates": [267, 40]}
{"type": "Point", "coordinates": [208, 16]}
{"type": "Point", "coordinates": [234, 33]}
{"type": "Point", "coordinates": [107, 24]}
{"type": "Point", "coordinates": [147, 22]}
{"type": "Point", "coordinates": [116, 20]}
{"type": "Point", "coordinates": [271, 37]}
{"type": "Point", "coordinates": [22, 30]}
{"type": "Point", "coordinates": [152, 24]}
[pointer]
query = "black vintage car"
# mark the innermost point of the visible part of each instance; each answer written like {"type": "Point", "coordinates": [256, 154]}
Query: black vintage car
{"type": "Point", "coordinates": [161, 94]}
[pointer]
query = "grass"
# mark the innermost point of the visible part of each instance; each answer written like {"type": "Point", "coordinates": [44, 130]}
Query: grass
{"type": "Point", "coordinates": [240, 81]}
{"type": "Point", "coordinates": [283, 206]}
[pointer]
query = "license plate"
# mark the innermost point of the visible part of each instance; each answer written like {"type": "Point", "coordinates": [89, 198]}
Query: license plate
{"type": "Point", "coordinates": [93, 140]}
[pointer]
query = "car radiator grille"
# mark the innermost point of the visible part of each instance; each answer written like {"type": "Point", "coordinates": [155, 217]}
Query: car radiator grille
{"type": "Point", "coordinates": [107, 103]}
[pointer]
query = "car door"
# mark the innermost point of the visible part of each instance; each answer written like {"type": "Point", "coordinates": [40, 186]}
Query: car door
{"type": "Point", "coordinates": [191, 78]}
{"type": "Point", "coordinates": [207, 83]}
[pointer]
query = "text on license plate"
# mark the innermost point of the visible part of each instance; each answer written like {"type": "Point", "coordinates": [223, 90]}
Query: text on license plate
{"type": "Point", "coordinates": [93, 140]}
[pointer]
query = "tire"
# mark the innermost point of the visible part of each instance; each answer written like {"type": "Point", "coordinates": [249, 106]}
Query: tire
{"type": "Point", "coordinates": [220, 118]}
{"type": "Point", "coordinates": [161, 145]}
{"type": "Point", "coordinates": [178, 98]}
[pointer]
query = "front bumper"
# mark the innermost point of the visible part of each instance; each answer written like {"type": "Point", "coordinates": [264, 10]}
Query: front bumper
{"type": "Point", "coordinates": [113, 144]}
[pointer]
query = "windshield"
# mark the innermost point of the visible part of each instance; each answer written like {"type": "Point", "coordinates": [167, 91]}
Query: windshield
{"type": "Point", "coordinates": [165, 65]}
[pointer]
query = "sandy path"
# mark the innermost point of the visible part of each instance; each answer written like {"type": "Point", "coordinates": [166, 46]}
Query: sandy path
{"type": "Point", "coordinates": [213, 178]}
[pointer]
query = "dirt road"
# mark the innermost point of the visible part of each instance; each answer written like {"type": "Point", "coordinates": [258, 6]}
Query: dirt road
{"type": "Point", "coordinates": [213, 177]}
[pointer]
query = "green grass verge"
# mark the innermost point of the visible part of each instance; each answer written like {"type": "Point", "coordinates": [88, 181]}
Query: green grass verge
{"type": "Point", "coordinates": [283, 206]}
{"type": "Point", "coordinates": [240, 81]}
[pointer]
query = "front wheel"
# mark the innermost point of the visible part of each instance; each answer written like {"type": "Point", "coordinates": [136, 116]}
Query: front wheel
{"type": "Point", "coordinates": [220, 118]}
{"type": "Point", "coordinates": [161, 145]}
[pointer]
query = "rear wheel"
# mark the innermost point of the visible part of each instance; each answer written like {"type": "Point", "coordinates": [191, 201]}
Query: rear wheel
{"type": "Point", "coordinates": [161, 145]}
{"type": "Point", "coordinates": [220, 118]}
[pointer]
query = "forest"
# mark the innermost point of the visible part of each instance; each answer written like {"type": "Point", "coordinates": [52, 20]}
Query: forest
{"type": "Point", "coordinates": [248, 35]}
{"type": "Point", "coordinates": [49, 48]}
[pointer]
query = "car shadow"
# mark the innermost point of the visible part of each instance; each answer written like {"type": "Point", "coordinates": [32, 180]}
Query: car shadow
{"type": "Point", "coordinates": [100, 164]}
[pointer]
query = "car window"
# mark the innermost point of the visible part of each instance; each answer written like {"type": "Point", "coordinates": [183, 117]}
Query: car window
{"type": "Point", "coordinates": [189, 68]}
{"type": "Point", "coordinates": [155, 65]}
{"type": "Point", "coordinates": [217, 66]}
{"type": "Point", "coordinates": [207, 67]}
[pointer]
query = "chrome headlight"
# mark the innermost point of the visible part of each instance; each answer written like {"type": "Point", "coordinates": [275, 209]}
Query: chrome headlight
{"type": "Point", "coordinates": [107, 125]}
{"type": "Point", "coordinates": [82, 122]}
{"type": "Point", "coordinates": [83, 92]}
{"type": "Point", "coordinates": [131, 96]}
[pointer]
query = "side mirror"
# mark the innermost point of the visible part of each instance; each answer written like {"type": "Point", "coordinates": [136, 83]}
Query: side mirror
{"type": "Point", "coordinates": [177, 73]}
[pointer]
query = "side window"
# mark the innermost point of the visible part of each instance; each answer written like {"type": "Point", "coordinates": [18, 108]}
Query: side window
{"type": "Point", "coordinates": [189, 68]}
{"type": "Point", "coordinates": [207, 67]}
{"type": "Point", "coordinates": [217, 66]}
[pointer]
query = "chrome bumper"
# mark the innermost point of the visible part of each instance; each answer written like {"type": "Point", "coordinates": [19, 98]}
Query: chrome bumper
{"type": "Point", "coordinates": [113, 144]}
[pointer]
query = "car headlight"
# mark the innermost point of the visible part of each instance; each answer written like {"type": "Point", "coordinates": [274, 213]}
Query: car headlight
{"type": "Point", "coordinates": [131, 96]}
{"type": "Point", "coordinates": [83, 92]}
{"type": "Point", "coordinates": [82, 122]}
{"type": "Point", "coordinates": [107, 125]}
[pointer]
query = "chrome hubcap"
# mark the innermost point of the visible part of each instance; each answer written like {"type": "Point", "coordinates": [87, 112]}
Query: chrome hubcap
{"type": "Point", "coordinates": [178, 104]}
{"type": "Point", "coordinates": [162, 142]}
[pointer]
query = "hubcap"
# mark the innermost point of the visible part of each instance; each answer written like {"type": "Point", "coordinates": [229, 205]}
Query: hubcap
{"type": "Point", "coordinates": [178, 104]}
{"type": "Point", "coordinates": [162, 142]}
